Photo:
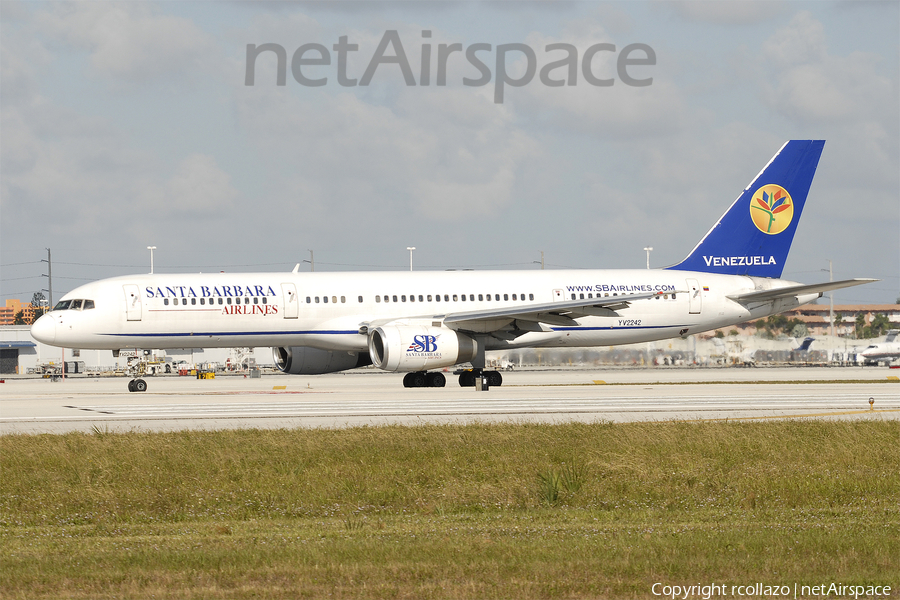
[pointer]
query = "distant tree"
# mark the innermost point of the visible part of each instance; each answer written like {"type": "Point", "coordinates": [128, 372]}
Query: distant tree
{"type": "Point", "coordinates": [19, 318]}
{"type": "Point", "coordinates": [37, 303]}
{"type": "Point", "coordinates": [860, 326]}
{"type": "Point", "coordinates": [719, 334]}
{"type": "Point", "coordinates": [734, 332]}
{"type": "Point", "coordinates": [800, 330]}
{"type": "Point", "coordinates": [880, 325]}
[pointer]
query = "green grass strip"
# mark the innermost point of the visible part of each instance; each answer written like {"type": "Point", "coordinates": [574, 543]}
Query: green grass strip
{"type": "Point", "coordinates": [501, 510]}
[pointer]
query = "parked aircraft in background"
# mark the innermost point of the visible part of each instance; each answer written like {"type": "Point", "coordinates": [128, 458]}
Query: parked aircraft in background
{"type": "Point", "coordinates": [888, 350]}
{"type": "Point", "coordinates": [419, 322]}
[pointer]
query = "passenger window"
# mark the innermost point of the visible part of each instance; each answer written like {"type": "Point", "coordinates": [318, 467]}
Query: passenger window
{"type": "Point", "coordinates": [325, 299]}
{"type": "Point", "coordinates": [497, 297]}
{"type": "Point", "coordinates": [165, 302]}
{"type": "Point", "coordinates": [463, 298]}
{"type": "Point", "coordinates": [193, 301]}
{"type": "Point", "coordinates": [317, 299]}
{"type": "Point", "coordinates": [393, 298]}
{"type": "Point", "coordinates": [531, 296]}
{"type": "Point", "coordinates": [255, 300]}
{"type": "Point", "coordinates": [514, 297]}
{"type": "Point", "coordinates": [412, 298]}
{"type": "Point", "coordinates": [184, 301]}
{"type": "Point", "coordinates": [673, 296]}
{"type": "Point", "coordinates": [377, 298]}
{"type": "Point", "coordinates": [481, 297]}
{"type": "Point", "coordinates": [202, 300]}
{"type": "Point", "coordinates": [581, 296]}
{"type": "Point", "coordinates": [220, 301]}
{"type": "Point", "coordinates": [360, 299]}
{"type": "Point", "coordinates": [472, 297]}
{"type": "Point", "coordinates": [455, 299]}
{"type": "Point", "coordinates": [334, 299]}
{"type": "Point", "coordinates": [429, 297]}
{"type": "Point", "coordinates": [403, 298]}
{"type": "Point", "coordinates": [420, 298]}
{"type": "Point", "coordinates": [506, 296]}
{"type": "Point", "coordinates": [447, 298]}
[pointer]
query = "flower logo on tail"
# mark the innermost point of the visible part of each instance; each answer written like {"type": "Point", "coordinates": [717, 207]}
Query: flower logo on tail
{"type": "Point", "coordinates": [771, 209]}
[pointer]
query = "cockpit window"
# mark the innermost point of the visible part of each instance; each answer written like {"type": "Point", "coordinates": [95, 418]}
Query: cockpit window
{"type": "Point", "coordinates": [77, 304]}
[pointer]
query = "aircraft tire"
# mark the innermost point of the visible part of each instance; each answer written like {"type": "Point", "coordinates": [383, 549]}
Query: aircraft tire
{"type": "Point", "coordinates": [140, 385]}
{"type": "Point", "coordinates": [494, 378]}
{"type": "Point", "coordinates": [407, 380]}
{"type": "Point", "coordinates": [131, 385]}
{"type": "Point", "coordinates": [418, 379]}
{"type": "Point", "coordinates": [467, 379]}
{"type": "Point", "coordinates": [436, 380]}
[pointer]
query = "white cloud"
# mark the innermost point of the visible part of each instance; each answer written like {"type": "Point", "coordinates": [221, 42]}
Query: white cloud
{"type": "Point", "coordinates": [129, 41]}
{"type": "Point", "coordinates": [733, 12]}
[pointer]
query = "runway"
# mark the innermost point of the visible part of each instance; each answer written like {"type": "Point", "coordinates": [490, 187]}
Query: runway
{"type": "Point", "coordinates": [374, 398]}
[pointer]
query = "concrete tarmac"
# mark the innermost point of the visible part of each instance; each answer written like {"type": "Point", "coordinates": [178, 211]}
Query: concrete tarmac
{"type": "Point", "coordinates": [375, 398]}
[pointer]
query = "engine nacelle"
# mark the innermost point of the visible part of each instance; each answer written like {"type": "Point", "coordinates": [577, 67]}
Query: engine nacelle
{"type": "Point", "coordinates": [418, 347]}
{"type": "Point", "coordinates": [302, 360]}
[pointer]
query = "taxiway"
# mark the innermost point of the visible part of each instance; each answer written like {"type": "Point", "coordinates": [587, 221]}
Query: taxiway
{"type": "Point", "coordinates": [374, 398]}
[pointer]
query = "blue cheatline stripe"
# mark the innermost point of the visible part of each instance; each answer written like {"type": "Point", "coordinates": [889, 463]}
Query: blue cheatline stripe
{"type": "Point", "coordinates": [236, 333]}
{"type": "Point", "coordinates": [617, 328]}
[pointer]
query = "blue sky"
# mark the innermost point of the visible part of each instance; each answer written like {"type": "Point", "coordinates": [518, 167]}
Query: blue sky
{"type": "Point", "coordinates": [128, 124]}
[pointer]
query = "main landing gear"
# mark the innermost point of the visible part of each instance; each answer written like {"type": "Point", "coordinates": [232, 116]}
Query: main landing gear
{"type": "Point", "coordinates": [424, 379]}
{"type": "Point", "coordinates": [469, 377]}
{"type": "Point", "coordinates": [137, 385]}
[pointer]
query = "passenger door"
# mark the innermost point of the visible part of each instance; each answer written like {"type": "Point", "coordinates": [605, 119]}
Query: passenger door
{"type": "Point", "coordinates": [291, 302]}
{"type": "Point", "coordinates": [132, 302]}
{"type": "Point", "coordinates": [695, 297]}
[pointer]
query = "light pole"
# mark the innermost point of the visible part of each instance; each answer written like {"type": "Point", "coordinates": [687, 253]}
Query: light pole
{"type": "Point", "coordinates": [648, 249]}
{"type": "Point", "coordinates": [410, 248]}
{"type": "Point", "coordinates": [151, 249]}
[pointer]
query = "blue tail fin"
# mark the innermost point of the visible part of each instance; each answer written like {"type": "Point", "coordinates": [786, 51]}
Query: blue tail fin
{"type": "Point", "coordinates": [754, 236]}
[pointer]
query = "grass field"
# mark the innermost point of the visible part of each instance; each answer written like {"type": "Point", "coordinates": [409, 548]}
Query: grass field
{"type": "Point", "coordinates": [477, 511]}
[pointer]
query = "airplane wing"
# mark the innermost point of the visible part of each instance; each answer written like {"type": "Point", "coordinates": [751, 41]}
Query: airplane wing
{"type": "Point", "coordinates": [794, 290]}
{"type": "Point", "coordinates": [561, 313]}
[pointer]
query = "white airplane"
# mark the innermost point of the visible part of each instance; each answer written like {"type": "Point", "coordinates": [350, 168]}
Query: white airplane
{"type": "Point", "coordinates": [414, 322]}
{"type": "Point", "coordinates": [887, 350]}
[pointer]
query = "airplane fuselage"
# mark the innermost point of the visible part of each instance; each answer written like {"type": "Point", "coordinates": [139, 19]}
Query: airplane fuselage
{"type": "Point", "coordinates": [333, 311]}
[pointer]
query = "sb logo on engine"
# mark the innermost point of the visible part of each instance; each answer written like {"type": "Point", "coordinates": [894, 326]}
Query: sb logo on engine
{"type": "Point", "coordinates": [423, 343]}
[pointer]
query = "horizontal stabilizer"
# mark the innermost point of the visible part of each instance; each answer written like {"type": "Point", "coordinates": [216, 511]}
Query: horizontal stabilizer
{"type": "Point", "coordinates": [795, 290]}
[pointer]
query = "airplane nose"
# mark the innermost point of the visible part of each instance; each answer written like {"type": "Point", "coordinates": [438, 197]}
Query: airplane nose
{"type": "Point", "coordinates": [44, 329]}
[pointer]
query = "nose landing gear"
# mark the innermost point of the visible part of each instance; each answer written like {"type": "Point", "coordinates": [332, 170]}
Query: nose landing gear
{"type": "Point", "coordinates": [137, 385]}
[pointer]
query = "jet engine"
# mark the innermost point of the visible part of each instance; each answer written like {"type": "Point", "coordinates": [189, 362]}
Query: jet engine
{"type": "Point", "coordinates": [418, 347]}
{"type": "Point", "coordinates": [302, 360]}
